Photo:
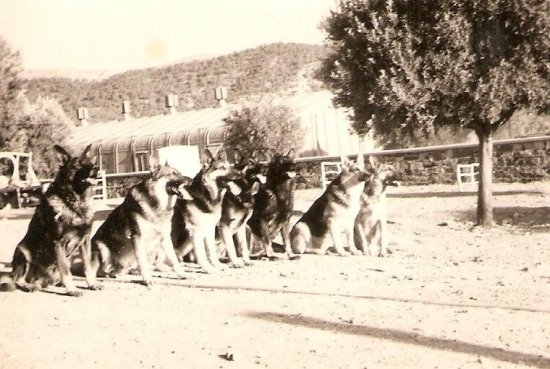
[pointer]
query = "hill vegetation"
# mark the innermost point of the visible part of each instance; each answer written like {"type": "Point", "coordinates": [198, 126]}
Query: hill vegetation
{"type": "Point", "coordinates": [269, 68]}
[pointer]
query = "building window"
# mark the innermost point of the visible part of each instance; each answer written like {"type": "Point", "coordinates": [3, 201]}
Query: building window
{"type": "Point", "coordinates": [141, 161]}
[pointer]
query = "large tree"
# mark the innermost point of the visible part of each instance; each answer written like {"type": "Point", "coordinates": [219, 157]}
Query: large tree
{"type": "Point", "coordinates": [10, 87]}
{"type": "Point", "coordinates": [38, 125]}
{"type": "Point", "coordinates": [409, 66]}
{"type": "Point", "coordinates": [28, 126]}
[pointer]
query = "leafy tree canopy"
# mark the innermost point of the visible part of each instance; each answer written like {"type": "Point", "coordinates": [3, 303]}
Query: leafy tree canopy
{"type": "Point", "coordinates": [263, 126]}
{"type": "Point", "coordinates": [25, 126]}
{"type": "Point", "coordinates": [10, 86]}
{"type": "Point", "coordinates": [409, 66]}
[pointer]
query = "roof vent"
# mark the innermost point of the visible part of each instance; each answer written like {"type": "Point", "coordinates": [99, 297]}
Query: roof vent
{"type": "Point", "coordinates": [221, 95]}
{"type": "Point", "coordinates": [82, 115]}
{"type": "Point", "coordinates": [172, 103]}
{"type": "Point", "coordinates": [126, 110]}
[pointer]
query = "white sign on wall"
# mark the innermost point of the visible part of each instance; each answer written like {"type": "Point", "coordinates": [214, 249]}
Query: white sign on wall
{"type": "Point", "coordinates": [183, 158]}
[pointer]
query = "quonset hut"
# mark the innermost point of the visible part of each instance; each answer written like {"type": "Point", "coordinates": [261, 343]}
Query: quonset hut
{"type": "Point", "coordinates": [124, 146]}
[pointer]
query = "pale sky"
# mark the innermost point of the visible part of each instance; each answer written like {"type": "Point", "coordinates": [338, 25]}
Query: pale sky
{"type": "Point", "coordinates": [118, 35]}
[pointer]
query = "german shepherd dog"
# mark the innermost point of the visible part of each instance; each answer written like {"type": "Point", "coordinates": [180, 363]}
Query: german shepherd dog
{"type": "Point", "coordinates": [59, 228]}
{"type": "Point", "coordinates": [371, 222]}
{"type": "Point", "coordinates": [274, 204]}
{"type": "Point", "coordinates": [332, 213]}
{"type": "Point", "coordinates": [237, 209]}
{"type": "Point", "coordinates": [195, 219]}
{"type": "Point", "coordinates": [137, 232]}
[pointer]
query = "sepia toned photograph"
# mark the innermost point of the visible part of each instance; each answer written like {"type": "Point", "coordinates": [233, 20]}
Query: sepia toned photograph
{"type": "Point", "coordinates": [359, 184]}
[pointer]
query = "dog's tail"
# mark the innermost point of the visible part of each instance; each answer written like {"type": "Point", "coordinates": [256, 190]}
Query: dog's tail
{"type": "Point", "coordinates": [20, 267]}
{"type": "Point", "coordinates": [300, 237]}
{"type": "Point", "coordinates": [6, 283]}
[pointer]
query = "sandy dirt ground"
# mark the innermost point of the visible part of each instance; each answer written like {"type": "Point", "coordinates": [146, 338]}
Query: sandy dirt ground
{"type": "Point", "coordinates": [450, 296]}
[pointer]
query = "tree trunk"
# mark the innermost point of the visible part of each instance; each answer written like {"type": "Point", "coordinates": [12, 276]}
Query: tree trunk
{"type": "Point", "coordinates": [485, 192]}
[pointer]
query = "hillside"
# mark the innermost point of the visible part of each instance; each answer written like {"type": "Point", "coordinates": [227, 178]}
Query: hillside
{"type": "Point", "coordinates": [270, 68]}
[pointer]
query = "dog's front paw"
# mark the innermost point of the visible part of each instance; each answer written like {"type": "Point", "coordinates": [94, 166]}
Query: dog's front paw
{"type": "Point", "coordinates": [356, 252]}
{"type": "Point", "coordinates": [384, 253]}
{"type": "Point", "coordinates": [31, 288]}
{"type": "Point", "coordinates": [319, 252]}
{"type": "Point", "coordinates": [209, 270]}
{"type": "Point", "coordinates": [74, 293]}
{"type": "Point", "coordinates": [237, 264]}
{"type": "Point", "coordinates": [344, 253]}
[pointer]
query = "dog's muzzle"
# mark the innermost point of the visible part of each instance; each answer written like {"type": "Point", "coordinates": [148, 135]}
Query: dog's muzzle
{"type": "Point", "coordinates": [234, 188]}
{"type": "Point", "coordinates": [291, 174]}
{"type": "Point", "coordinates": [181, 192]}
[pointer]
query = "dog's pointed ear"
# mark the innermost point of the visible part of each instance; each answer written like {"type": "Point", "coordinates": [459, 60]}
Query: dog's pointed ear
{"type": "Point", "coordinates": [373, 161]}
{"type": "Point", "coordinates": [344, 160]}
{"type": "Point", "coordinates": [62, 155]}
{"type": "Point", "coordinates": [237, 157]}
{"type": "Point", "coordinates": [154, 164]}
{"type": "Point", "coordinates": [360, 161]}
{"type": "Point", "coordinates": [208, 158]}
{"type": "Point", "coordinates": [268, 154]}
{"type": "Point", "coordinates": [86, 151]}
{"type": "Point", "coordinates": [255, 188]}
{"type": "Point", "coordinates": [291, 154]}
{"type": "Point", "coordinates": [222, 155]}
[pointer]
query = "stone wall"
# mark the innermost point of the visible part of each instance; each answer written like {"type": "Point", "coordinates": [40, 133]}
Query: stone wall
{"type": "Point", "coordinates": [515, 160]}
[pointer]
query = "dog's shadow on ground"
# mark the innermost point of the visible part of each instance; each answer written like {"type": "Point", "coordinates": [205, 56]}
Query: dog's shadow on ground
{"type": "Point", "coordinates": [529, 218]}
{"type": "Point", "coordinates": [405, 337]}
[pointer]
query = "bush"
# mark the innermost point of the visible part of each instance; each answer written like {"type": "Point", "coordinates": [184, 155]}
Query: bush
{"type": "Point", "coordinates": [263, 126]}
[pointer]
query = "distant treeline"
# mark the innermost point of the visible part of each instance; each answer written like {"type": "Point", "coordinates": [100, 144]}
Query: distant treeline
{"type": "Point", "coordinates": [265, 69]}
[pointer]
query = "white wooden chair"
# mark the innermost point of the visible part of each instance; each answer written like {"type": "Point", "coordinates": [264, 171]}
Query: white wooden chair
{"type": "Point", "coordinates": [466, 175]}
{"type": "Point", "coordinates": [329, 171]}
{"type": "Point", "coordinates": [100, 190]}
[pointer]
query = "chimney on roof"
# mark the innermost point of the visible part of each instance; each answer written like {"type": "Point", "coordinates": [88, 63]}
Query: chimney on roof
{"type": "Point", "coordinates": [172, 103]}
{"type": "Point", "coordinates": [221, 94]}
{"type": "Point", "coordinates": [126, 110]}
{"type": "Point", "coordinates": [82, 115]}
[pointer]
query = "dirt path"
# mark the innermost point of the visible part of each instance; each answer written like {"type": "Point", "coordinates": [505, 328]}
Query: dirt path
{"type": "Point", "coordinates": [450, 296]}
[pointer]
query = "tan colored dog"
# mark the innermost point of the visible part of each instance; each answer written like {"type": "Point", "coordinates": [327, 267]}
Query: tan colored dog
{"type": "Point", "coordinates": [371, 223]}
{"type": "Point", "coordinates": [136, 234]}
{"type": "Point", "coordinates": [332, 213]}
{"type": "Point", "coordinates": [195, 219]}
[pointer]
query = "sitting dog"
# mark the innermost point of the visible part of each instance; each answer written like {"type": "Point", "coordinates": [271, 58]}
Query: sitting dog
{"type": "Point", "coordinates": [137, 232]}
{"type": "Point", "coordinates": [274, 203]}
{"type": "Point", "coordinates": [332, 213]}
{"type": "Point", "coordinates": [237, 209]}
{"type": "Point", "coordinates": [371, 221]}
{"type": "Point", "coordinates": [195, 219]}
{"type": "Point", "coordinates": [58, 230]}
